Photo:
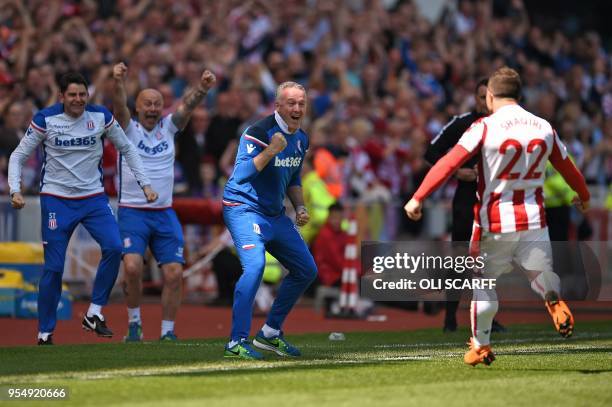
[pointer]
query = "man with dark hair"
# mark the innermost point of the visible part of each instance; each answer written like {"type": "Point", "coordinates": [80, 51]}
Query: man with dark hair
{"type": "Point", "coordinates": [510, 222]}
{"type": "Point", "coordinates": [71, 192]}
{"type": "Point", "coordinates": [267, 168]}
{"type": "Point", "coordinates": [465, 195]}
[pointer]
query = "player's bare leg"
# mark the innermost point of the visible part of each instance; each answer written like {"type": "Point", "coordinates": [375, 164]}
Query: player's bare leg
{"type": "Point", "coordinates": [171, 298]}
{"type": "Point", "coordinates": [133, 265]}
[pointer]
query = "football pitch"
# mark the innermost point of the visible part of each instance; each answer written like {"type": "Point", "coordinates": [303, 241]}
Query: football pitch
{"type": "Point", "coordinates": [534, 367]}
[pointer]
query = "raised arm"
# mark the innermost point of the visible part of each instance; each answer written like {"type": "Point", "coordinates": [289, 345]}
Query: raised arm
{"type": "Point", "coordinates": [254, 154]}
{"type": "Point", "coordinates": [120, 108]}
{"type": "Point", "coordinates": [191, 99]}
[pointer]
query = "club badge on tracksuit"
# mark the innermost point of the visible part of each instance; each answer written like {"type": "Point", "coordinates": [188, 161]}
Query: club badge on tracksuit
{"type": "Point", "coordinates": [52, 225]}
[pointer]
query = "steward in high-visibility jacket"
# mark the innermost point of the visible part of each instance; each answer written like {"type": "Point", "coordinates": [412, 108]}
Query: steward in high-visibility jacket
{"type": "Point", "coordinates": [558, 197]}
{"type": "Point", "coordinates": [317, 200]}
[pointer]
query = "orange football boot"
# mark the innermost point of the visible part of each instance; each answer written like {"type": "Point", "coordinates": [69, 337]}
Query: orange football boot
{"type": "Point", "coordinates": [476, 355]}
{"type": "Point", "coordinates": [560, 313]}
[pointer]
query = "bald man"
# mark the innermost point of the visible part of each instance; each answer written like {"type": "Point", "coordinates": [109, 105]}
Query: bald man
{"type": "Point", "coordinates": [155, 225]}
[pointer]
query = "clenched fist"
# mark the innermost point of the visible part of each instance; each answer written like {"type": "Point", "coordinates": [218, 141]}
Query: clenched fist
{"type": "Point", "coordinates": [17, 200]}
{"type": "Point", "coordinates": [277, 143]}
{"type": "Point", "coordinates": [301, 216]}
{"type": "Point", "coordinates": [582, 206]}
{"type": "Point", "coordinates": [413, 209]}
{"type": "Point", "coordinates": [119, 71]}
{"type": "Point", "coordinates": [150, 194]}
{"type": "Point", "coordinates": [207, 80]}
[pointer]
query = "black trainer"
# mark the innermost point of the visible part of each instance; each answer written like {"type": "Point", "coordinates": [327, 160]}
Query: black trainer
{"type": "Point", "coordinates": [48, 341]}
{"type": "Point", "coordinates": [97, 325]}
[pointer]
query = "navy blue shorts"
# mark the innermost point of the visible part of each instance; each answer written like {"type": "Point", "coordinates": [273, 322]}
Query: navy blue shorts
{"type": "Point", "coordinates": [158, 229]}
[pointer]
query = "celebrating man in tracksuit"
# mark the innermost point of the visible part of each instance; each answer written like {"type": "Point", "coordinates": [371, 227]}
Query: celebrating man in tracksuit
{"type": "Point", "coordinates": [267, 168]}
{"type": "Point", "coordinates": [71, 192]}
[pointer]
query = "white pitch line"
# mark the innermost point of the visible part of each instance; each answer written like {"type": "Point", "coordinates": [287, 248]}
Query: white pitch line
{"type": "Point", "coordinates": [499, 341]}
{"type": "Point", "coordinates": [367, 358]}
{"type": "Point", "coordinates": [229, 366]}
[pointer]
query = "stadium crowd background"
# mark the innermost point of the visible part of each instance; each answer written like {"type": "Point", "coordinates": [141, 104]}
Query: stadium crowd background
{"type": "Point", "coordinates": [382, 78]}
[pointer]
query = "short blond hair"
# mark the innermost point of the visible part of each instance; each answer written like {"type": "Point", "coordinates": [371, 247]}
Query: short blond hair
{"type": "Point", "coordinates": [505, 83]}
{"type": "Point", "coordinates": [286, 85]}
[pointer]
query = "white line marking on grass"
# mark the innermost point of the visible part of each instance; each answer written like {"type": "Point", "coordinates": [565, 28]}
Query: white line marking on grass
{"type": "Point", "coordinates": [498, 341]}
{"type": "Point", "coordinates": [228, 366]}
{"type": "Point", "coordinates": [377, 354]}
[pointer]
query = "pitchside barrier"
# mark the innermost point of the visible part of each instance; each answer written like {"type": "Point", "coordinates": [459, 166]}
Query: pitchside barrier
{"type": "Point", "coordinates": [83, 254]}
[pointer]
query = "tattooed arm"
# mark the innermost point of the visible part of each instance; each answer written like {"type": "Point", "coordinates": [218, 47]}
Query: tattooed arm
{"type": "Point", "coordinates": [192, 99]}
{"type": "Point", "coordinates": [120, 107]}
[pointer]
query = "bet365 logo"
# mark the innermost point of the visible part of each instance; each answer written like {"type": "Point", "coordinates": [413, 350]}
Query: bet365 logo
{"type": "Point", "coordinates": [160, 148]}
{"type": "Point", "coordinates": [287, 162]}
{"type": "Point", "coordinates": [76, 141]}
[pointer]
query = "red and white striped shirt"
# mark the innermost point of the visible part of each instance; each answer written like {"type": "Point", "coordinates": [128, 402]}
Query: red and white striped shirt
{"type": "Point", "coordinates": [515, 146]}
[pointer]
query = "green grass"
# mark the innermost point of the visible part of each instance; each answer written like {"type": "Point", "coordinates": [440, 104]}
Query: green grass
{"type": "Point", "coordinates": [535, 367]}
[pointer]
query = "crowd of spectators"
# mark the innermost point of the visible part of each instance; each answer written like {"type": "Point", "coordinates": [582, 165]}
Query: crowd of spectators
{"type": "Point", "coordinates": [382, 79]}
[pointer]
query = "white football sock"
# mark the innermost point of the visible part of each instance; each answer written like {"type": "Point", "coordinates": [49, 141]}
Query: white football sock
{"type": "Point", "coordinates": [44, 335]}
{"type": "Point", "coordinates": [166, 327]}
{"type": "Point", "coordinates": [545, 282]}
{"type": "Point", "coordinates": [483, 308]}
{"type": "Point", "coordinates": [95, 310]}
{"type": "Point", "coordinates": [481, 315]}
{"type": "Point", "coordinates": [269, 332]}
{"type": "Point", "coordinates": [134, 314]}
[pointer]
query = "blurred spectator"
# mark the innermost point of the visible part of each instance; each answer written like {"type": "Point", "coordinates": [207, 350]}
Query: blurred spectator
{"type": "Point", "coordinates": [191, 146]}
{"type": "Point", "coordinates": [209, 187]}
{"type": "Point", "coordinates": [15, 122]}
{"type": "Point", "coordinates": [328, 248]}
{"type": "Point", "coordinates": [222, 133]}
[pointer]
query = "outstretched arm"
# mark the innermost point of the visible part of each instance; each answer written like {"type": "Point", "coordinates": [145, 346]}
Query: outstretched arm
{"type": "Point", "coordinates": [468, 145]}
{"type": "Point", "coordinates": [191, 99]}
{"type": "Point", "coordinates": [438, 174]}
{"type": "Point", "coordinates": [120, 108]}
